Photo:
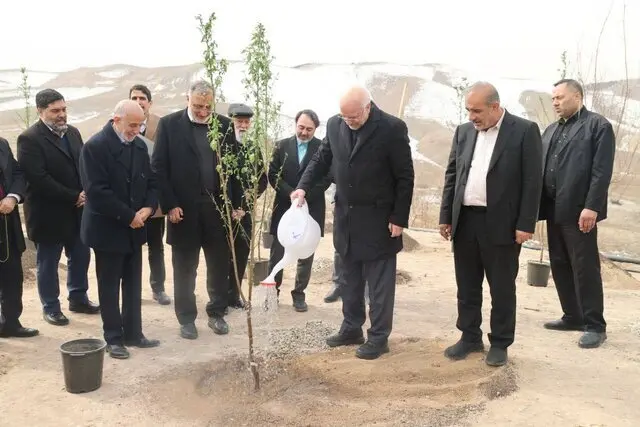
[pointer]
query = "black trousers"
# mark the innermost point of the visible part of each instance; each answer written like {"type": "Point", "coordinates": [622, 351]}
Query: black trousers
{"type": "Point", "coordinates": [474, 257]}
{"type": "Point", "coordinates": [11, 278]}
{"type": "Point", "coordinates": [186, 259]}
{"type": "Point", "coordinates": [381, 278]}
{"type": "Point", "coordinates": [575, 267]}
{"type": "Point", "coordinates": [155, 244]}
{"type": "Point", "coordinates": [241, 246]}
{"type": "Point", "coordinates": [117, 271]}
{"type": "Point", "coordinates": [303, 270]}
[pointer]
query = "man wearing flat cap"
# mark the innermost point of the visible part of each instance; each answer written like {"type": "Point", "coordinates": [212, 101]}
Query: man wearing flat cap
{"type": "Point", "coordinates": [241, 115]}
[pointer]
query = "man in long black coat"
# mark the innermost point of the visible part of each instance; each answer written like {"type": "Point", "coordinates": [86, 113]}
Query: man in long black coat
{"type": "Point", "coordinates": [121, 195]}
{"type": "Point", "coordinates": [12, 190]}
{"type": "Point", "coordinates": [247, 183]}
{"type": "Point", "coordinates": [191, 194]}
{"type": "Point", "coordinates": [578, 154]}
{"type": "Point", "coordinates": [373, 171]}
{"type": "Point", "coordinates": [49, 152]}
{"type": "Point", "coordinates": [290, 159]}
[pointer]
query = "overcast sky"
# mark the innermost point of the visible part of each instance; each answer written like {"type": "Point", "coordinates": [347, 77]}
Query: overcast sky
{"type": "Point", "coordinates": [515, 38]}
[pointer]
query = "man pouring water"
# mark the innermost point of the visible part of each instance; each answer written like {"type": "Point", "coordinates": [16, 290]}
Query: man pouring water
{"type": "Point", "coordinates": [373, 172]}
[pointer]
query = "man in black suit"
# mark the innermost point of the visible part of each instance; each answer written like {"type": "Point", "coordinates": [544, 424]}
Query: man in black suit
{"type": "Point", "coordinates": [156, 224]}
{"type": "Point", "coordinates": [48, 153]}
{"type": "Point", "coordinates": [578, 154]}
{"type": "Point", "coordinates": [242, 182]}
{"type": "Point", "coordinates": [489, 206]}
{"type": "Point", "coordinates": [121, 195]}
{"type": "Point", "coordinates": [291, 157]}
{"type": "Point", "coordinates": [373, 171]}
{"type": "Point", "coordinates": [12, 245]}
{"type": "Point", "coordinates": [185, 165]}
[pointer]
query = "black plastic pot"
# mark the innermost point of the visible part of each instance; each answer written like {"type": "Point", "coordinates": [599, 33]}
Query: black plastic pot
{"type": "Point", "coordinates": [538, 273]}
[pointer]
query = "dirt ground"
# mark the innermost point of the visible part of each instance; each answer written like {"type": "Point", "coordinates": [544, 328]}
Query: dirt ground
{"type": "Point", "coordinates": [548, 382]}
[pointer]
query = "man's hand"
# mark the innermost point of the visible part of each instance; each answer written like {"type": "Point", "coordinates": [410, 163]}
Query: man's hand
{"type": "Point", "coordinates": [7, 205]}
{"type": "Point", "coordinates": [298, 194]}
{"type": "Point", "coordinates": [395, 230]}
{"type": "Point", "coordinates": [445, 231]}
{"type": "Point", "coordinates": [82, 199]}
{"type": "Point", "coordinates": [145, 213]}
{"type": "Point", "coordinates": [137, 222]}
{"type": "Point", "coordinates": [237, 214]}
{"type": "Point", "coordinates": [587, 220]}
{"type": "Point", "coordinates": [176, 215]}
{"type": "Point", "coordinates": [522, 236]}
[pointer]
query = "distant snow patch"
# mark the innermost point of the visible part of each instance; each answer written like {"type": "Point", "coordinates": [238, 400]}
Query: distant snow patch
{"type": "Point", "coordinates": [69, 93]}
{"type": "Point", "coordinates": [11, 79]}
{"type": "Point", "coordinates": [114, 74]}
{"type": "Point", "coordinates": [82, 117]}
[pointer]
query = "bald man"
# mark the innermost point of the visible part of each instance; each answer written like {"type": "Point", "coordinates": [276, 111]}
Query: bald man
{"type": "Point", "coordinates": [489, 207]}
{"type": "Point", "coordinates": [121, 195]}
{"type": "Point", "coordinates": [373, 172]}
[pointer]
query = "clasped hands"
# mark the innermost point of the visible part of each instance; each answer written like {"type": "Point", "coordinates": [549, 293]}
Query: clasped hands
{"type": "Point", "coordinates": [141, 217]}
{"type": "Point", "coordinates": [299, 194]}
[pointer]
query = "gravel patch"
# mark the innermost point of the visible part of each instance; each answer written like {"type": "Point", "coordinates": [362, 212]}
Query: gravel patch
{"type": "Point", "coordinates": [299, 340]}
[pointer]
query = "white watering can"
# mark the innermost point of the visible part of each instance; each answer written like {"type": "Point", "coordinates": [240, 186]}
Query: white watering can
{"type": "Point", "coordinates": [299, 235]}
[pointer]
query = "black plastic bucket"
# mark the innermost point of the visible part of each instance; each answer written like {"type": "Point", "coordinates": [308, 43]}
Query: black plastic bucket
{"type": "Point", "coordinates": [82, 362]}
{"type": "Point", "coordinates": [538, 273]}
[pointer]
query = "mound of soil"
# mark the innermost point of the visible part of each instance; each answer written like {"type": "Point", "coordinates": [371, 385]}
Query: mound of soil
{"type": "Point", "coordinates": [414, 385]}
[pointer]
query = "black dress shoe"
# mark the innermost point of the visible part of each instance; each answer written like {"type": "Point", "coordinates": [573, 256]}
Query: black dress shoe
{"type": "Point", "coordinates": [300, 306]}
{"type": "Point", "coordinates": [340, 339]}
{"type": "Point", "coordinates": [20, 332]}
{"type": "Point", "coordinates": [371, 350]}
{"type": "Point", "coordinates": [84, 307]}
{"type": "Point", "coordinates": [142, 343]}
{"type": "Point", "coordinates": [118, 351]}
{"type": "Point", "coordinates": [332, 296]}
{"type": "Point", "coordinates": [57, 319]}
{"type": "Point", "coordinates": [219, 325]}
{"type": "Point", "coordinates": [161, 298]}
{"type": "Point", "coordinates": [496, 356]}
{"type": "Point", "coordinates": [237, 303]}
{"type": "Point", "coordinates": [563, 325]}
{"type": "Point", "coordinates": [461, 349]}
{"type": "Point", "coordinates": [592, 339]}
{"type": "Point", "coordinates": [189, 331]}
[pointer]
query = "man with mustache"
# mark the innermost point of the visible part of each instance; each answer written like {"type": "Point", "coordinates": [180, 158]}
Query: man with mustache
{"type": "Point", "coordinates": [186, 167]}
{"type": "Point", "coordinates": [156, 224]}
{"type": "Point", "coordinates": [121, 195]}
{"type": "Point", "coordinates": [579, 151]}
{"type": "Point", "coordinates": [49, 152]}
{"type": "Point", "coordinates": [489, 207]}
{"type": "Point", "coordinates": [290, 159]}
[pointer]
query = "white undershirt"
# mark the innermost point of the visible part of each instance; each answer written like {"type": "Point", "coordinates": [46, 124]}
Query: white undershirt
{"type": "Point", "coordinates": [475, 192]}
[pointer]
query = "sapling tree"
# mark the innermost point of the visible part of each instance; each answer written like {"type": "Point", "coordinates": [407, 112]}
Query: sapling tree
{"type": "Point", "coordinates": [242, 166]}
{"type": "Point", "coordinates": [24, 88]}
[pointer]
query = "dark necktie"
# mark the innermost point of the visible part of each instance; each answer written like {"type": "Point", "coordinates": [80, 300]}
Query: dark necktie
{"type": "Point", "coordinates": [353, 140]}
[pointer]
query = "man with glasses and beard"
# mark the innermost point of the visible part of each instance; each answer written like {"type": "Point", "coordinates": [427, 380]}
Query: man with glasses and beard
{"type": "Point", "coordinates": [190, 193]}
{"type": "Point", "coordinates": [290, 159]}
{"type": "Point", "coordinates": [49, 152]}
{"type": "Point", "coordinates": [368, 152]}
